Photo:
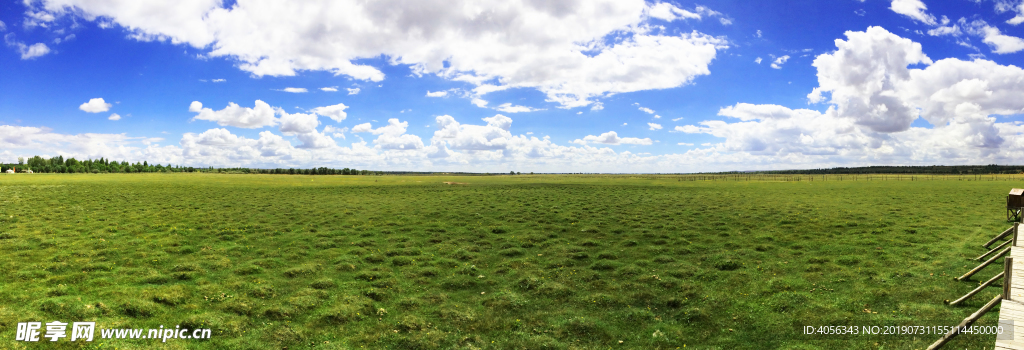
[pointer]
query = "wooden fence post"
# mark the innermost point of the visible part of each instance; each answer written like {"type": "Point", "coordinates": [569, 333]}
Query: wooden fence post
{"type": "Point", "coordinates": [1007, 277]}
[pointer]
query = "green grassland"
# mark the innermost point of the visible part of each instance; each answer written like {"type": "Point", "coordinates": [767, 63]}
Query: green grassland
{"type": "Point", "coordinates": [501, 262]}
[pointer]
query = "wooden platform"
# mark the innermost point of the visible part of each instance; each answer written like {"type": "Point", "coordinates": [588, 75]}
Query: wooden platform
{"type": "Point", "coordinates": [1013, 309]}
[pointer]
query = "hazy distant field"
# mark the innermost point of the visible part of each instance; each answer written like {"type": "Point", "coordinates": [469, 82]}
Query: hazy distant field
{"type": "Point", "coordinates": [501, 262]}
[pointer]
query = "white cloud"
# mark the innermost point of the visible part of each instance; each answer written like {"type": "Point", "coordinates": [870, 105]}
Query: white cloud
{"type": "Point", "coordinates": [953, 30]}
{"type": "Point", "coordinates": [364, 127]}
{"type": "Point", "coordinates": [757, 60]}
{"type": "Point", "coordinates": [392, 136]}
{"type": "Point", "coordinates": [689, 129]}
{"type": "Point", "coordinates": [33, 51]}
{"type": "Point", "coordinates": [597, 106]}
{"type": "Point", "coordinates": [298, 123]}
{"type": "Point", "coordinates": [1003, 6]}
{"type": "Point", "coordinates": [27, 51]}
{"type": "Point", "coordinates": [684, 144]}
{"type": "Point", "coordinates": [38, 18]}
{"type": "Point", "coordinates": [510, 108]}
{"type": "Point", "coordinates": [353, 91]}
{"type": "Point", "coordinates": [748, 112]}
{"type": "Point", "coordinates": [677, 119]}
{"type": "Point", "coordinates": [999, 42]}
{"type": "Point", "coordinates": [441, 93]}
{"type": "Point", "coordinates": [657, 116]}
{"type": "Point", "coordinates": [612, 138]}
{"type": "Point", "coordinates": [114, 116]}
{"type": "Point", "coordinates": [777, 64]}
{"type": "Point", "coordinates": [3, 27]}
{"type": "Point", "coordinates": [219, 80]}
{"type": "Point", "coordinates": [864, 76]}
{"type": "Point", "coordinates": [294, 90]}
{"type": "Point", "coordinates": [329, 89]}
{"type": "Point", "coordinates": [335, 112]}
{"type": "Point", "coordinates": [668, 12]}
{"type": "Point", "coordinates": [915, 9]}
{"type": "Point", "coordinates": [315, 140]}
{"type": "Point", "coordinates": [646, 110]}
{"type": "Point", "coordinates": [654, 126]}
{"type": "Point", "coordinates": [493, 136]}
{"type": "Point", "coordinates": [95, 105]}
{"type": "Point", "coordinates": [335, 131]}
{"type": "Point", "coordinates": [573, 52]}
{"type": "Point", "coordinates": [479, 103]}
{"type": "Point", "coordinates": [233, 115]}
{"type": "Point", "coordinates": [875, 98]}
{"type": "Point", "coordinates": [759, 33]}
{"type": "Point", "coordinates": [20, 141]}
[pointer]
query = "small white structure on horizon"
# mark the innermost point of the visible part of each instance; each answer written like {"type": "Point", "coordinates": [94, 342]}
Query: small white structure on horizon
{"type": "Point", "coordinates": [29, 171]}
{"type": "Point", "coordinates": [10, 171]}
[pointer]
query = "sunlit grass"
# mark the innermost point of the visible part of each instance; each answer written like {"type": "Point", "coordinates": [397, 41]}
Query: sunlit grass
{"type": "Point", "coordinates": [497, 263]}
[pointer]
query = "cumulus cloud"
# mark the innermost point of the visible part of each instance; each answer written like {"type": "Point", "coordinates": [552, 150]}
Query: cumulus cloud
{"type": "Point", "coordinates": [864, 76]}
{"type": "Point", "coordinates": [335, 112]}
{"type": "Point", "coordinates": [479, 102]}
{"type": "Point", "coordinates": [441, 93]}
{"type": "Point", "coordinates": [392, 136]}
{"type": "Point", "coordinates": [219, 80]}
{"type": "Point", "coordinates": [915, 9]}
{"type": "Point", "coordinates": [757, 60]}
{"type": "Point", "coordinates": [777, 64]}
{"type": "Point", "coordinates": [329, 89]}
{"type": "Point", "coordinates": [259, 116]}
{"type": "Point", "coordinates": [574, 52]}
{"type": "Point", "coordinates": [612, 138]}
{"type": "Point", "coordinates": [3, 27]}
{"type": "Point", "coordinates": [298, 123]}
{"type": "Point", "coordinates": [27, 51]}
{"type": "Point", "coordinates": [493, 136]}
{"type": "Point", "coordinates": [875, 97]}
{"type": "Point", "coordinates": [353, 91]}
{"type": "Point", "coordinates": [654, 126]}
{"type": "Point", "coordinates": [335, 131]}
{"type": "Point", "coordinates": [510, 108]}
{"type": "Point", "coordinates": [114, 116]}
{"type": "Point", "coordinates": [95, 105]}
{"type": "Point", "coordinates": [646, 110]}
{"type": "Point", "coordinates": [32, 51]}
{"type": "Point", "coordinates": [294, 90]}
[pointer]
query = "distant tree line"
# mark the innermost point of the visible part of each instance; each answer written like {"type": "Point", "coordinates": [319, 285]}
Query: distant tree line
{"type": "Point", "coordinates": [933, 169]}
{"type": "Point", "coordinates": [293, 171]}
{"type": "Point", "coordinates": [71, 165]}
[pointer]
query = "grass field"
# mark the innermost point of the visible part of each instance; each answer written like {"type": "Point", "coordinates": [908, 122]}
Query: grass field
{"type": "Point", "coordinates": [501, 262]}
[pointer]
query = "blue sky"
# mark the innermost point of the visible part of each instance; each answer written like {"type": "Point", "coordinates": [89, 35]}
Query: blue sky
{"type": "Point", "coordinates": [587, 86]}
